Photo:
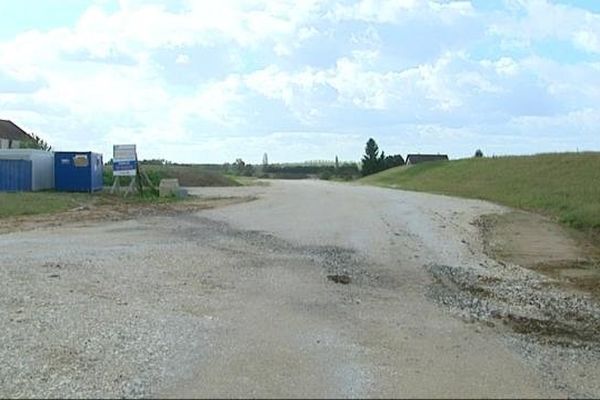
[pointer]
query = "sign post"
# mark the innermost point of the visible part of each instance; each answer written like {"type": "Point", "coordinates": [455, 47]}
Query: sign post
{"type": "Point", "coordinates": [125, 163]}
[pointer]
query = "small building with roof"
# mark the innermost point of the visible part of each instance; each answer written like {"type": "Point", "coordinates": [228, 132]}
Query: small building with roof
{"type": "Point", "coordinates": [413, 159]}
{"type": "Point", "coordinates": [11, 136]}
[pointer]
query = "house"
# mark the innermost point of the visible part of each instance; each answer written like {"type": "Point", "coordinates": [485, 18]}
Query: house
{"type": "Point", "coordinates": [412, 159]}
{"type": "Point", "coordinates": [11, 136]}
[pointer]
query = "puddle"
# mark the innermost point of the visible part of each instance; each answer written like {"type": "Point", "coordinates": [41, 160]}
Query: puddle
{"type": "Point", "coordinates": [576, 273]}
{"type": "Point", "coordinates": [342, 279]}
{"type": "Point", "coordinates": [525, 307]}
{"type": "Point", "coordinates": [582, 276]}
{"type": "Point", "coordinates": [552, 330]}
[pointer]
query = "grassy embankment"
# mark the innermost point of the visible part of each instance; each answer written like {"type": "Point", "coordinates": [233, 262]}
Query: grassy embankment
{"type": "Point", "coordinates": [564, 186]}
{"type": "Point", "coordinates": [188, 175]}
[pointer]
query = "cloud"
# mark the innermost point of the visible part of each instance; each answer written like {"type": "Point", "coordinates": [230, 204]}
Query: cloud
{"type": "Point", "coordinates": [587, 40]}
{"type": "Point", "coordinates": [394, 11]}
{"type": "Point", "coordinates": [532, 21]}
{"type": "Point", "coordinates": [307, 77]}
{"type": "Point", "coordinates": [182, 59]}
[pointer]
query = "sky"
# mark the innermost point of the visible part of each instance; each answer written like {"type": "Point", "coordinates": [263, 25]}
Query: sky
{"type": "Point", "coordinates": [212, 81]}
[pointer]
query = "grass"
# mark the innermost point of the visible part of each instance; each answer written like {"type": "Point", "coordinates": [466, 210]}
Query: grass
{"type": "Point", "coordinates": [29, 203]}
{"type": "Point", "coordinates": [564, 185]}
{"type": "Point", "coordinates": [34, 203]}
{"type": "Point", "coordinates": [188, 175]}
{"type": "Point", "coordinates": [247, 180]}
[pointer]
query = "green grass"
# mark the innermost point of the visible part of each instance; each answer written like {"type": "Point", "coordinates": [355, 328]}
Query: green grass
{"type": "Point", "coordinates": [33, 203]}
{"type": "Point", "coordinates": [247, 180]}
{"type": "Point", "coordinates": [29, 203]}
{"type": "Point", "coordinates": [565, 186]}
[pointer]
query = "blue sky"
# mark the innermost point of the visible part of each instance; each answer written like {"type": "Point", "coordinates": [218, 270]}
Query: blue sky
{"type": "Point", "coordinates": [204, 81]}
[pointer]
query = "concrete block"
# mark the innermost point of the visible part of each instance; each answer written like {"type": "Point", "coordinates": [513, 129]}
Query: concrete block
{"type": "Point", "coordinates": [168, 187]}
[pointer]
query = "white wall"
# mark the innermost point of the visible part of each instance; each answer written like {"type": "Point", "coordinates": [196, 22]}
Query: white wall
{"type": "Point", "coordinates": [10, 144]}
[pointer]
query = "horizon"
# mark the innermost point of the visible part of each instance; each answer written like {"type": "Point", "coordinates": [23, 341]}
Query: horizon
{"type": "Point", "coordinates": [192, 82]}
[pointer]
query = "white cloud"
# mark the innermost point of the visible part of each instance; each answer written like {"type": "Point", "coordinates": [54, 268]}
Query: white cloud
{"type": "Point", "coordinates": [393, 11]}
{"type": "Point", "coordinates": [338, 71]}
{"type": "Point", "coordinates": [182, 59]}
{"type": "Point", "coordinates": [588, 41]}
{"type": "Point", "coordinates": [536, 20]}
{"type": "Point", "coordinates": [503, 66]}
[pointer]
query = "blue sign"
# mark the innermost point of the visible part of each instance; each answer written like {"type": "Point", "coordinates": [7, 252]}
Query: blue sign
{"type": "Point", "coordinates": [124, 168]}
{"type": "Point", "coordinates": [124, 160]}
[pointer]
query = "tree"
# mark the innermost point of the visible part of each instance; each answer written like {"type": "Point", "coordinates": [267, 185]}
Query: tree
{"type": "Point", "coordinates": [478, 153]}
{"type": "Point", "coordinates": [337, 163]}
{"type": "Point", "coordinates": [248, 170]}
{"type": "Point", "coordinates": [239, 166]}
{"type": "Point", "coordinates": [265, 160]}
{"type": "Point", "coordinates": [371, 161]}
{"type": "Point", "coordinates": [36, 142]}
{"type": "Point", "coordinates": [242, 169]}
{"type": "Point", "coordinates": [393, 161]}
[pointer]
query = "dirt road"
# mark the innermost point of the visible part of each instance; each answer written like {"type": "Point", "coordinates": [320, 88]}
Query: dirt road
{"type": "Point", "coordinates": [238, 301]}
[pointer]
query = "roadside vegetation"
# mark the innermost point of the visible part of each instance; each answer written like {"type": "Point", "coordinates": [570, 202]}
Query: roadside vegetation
{"type": "Point", "coordinates": [373, 162]}
{"type": "Point", "coordinates": [35, 203]}
{"type": "Point", "coordinates": [188, 175]}
{"type": "Point", "coordinates": [50, 202]}
{"type": "Point", "coordinates": [565, 186]}
{"type": "Point", "coordinates": [319, 169]}
{"type": "Point", "coordinates": [326, 171]}
{"type": "Point", "coordinates": [30, 203]}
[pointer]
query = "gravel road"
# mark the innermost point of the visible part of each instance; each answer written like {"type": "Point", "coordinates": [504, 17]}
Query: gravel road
{"type": "Point", "coordinates": [243, 301]}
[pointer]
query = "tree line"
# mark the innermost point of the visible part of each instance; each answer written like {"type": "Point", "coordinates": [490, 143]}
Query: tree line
{"type": "Point", "coordinates": [373, 162]}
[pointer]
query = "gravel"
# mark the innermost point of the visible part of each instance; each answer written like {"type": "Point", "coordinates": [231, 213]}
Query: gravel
{"type": "Point", "coordinates": [82, 321]}
{"type": "Point", "coordinates": [550, 327]}
{"type": "Point", "coordinates": [236, 302]}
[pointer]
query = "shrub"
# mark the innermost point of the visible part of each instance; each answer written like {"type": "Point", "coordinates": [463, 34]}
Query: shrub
{"type": "Point", "coordinates": [325, 175]}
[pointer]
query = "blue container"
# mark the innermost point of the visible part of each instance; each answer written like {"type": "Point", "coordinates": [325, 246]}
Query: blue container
{"type": "Point", "coordinates": [15, 175]}
{"type": "Point", "coordinates": [77, 171]}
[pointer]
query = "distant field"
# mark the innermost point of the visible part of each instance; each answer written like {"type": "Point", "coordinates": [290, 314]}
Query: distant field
{"type": "Point", "coordinates": [565, 186]}
{"type": "Point", "coordinates": [188, 175]}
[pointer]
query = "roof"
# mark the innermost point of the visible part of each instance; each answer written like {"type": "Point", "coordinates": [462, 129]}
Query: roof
{"type": "Point", "coordinates": [419, 158]}
{"type": "Point", "coordinates": [10, 131]}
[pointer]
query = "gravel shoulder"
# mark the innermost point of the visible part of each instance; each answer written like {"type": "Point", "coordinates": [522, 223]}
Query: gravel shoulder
{"type": "Point", "coordinates": [236, 301]}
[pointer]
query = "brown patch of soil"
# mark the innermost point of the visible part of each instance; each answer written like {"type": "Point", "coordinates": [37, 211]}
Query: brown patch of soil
{"type": "Point", "coordinates": [537, 243]}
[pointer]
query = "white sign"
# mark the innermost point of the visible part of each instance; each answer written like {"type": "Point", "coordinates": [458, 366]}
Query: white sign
{"type": "Point", "coordinates": [124, 160]}
{"type": "Point", "coordinates": [124, 152]}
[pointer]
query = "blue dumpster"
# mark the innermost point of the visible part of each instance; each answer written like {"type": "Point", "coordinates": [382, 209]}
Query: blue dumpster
{"type": "Point", "coordinates": [77, 171]}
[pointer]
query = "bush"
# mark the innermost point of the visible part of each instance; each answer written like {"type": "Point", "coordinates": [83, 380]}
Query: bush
{"type": "Point", "coordinates": [325, 175]}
